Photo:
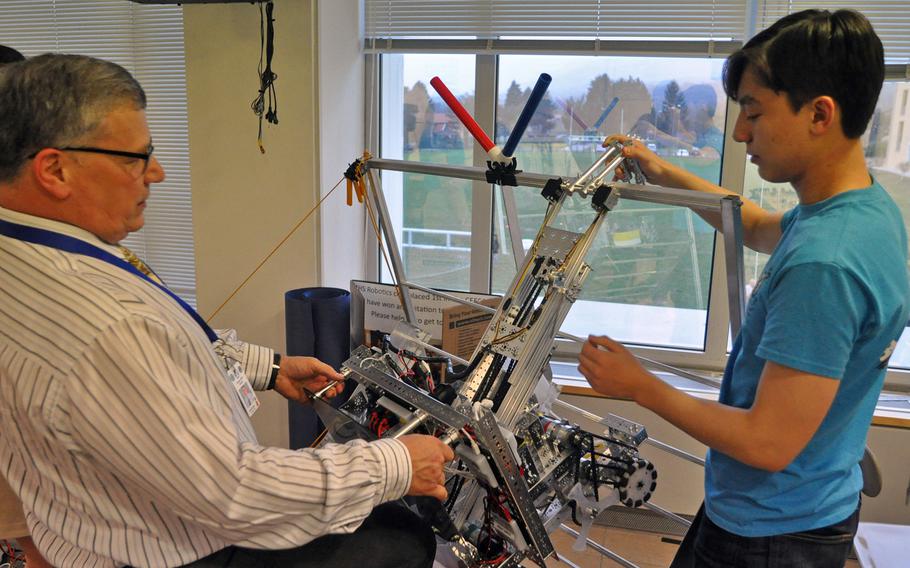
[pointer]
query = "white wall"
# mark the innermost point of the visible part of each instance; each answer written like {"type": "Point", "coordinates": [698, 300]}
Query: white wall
{"type": "Point", "coordinates": [245, 202]}
{"type": "Point", "coordinates": [341, 87]}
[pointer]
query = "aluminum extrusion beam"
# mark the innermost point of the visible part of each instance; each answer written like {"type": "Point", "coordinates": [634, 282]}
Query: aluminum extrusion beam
{"type": "Point", "coordinates": [649, 193]}
{"type": "Point", "coordinates": [731, 219]}
{"type": "Point", "coordinates": [675, 451]}
{"type": "Point", "coordinates": [459, 172]}
{"type": "Point", "coordinates": [511, 209]}
{"type": "Point", "coordinates": [379, 204]}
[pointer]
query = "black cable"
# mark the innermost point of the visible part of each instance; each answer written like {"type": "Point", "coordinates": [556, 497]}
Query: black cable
{"type": "Point", "coordinates": [267, 77]}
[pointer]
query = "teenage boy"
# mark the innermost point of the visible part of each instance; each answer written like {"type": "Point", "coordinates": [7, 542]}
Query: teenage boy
{"type": "Point", "coordinates": [782, 476]}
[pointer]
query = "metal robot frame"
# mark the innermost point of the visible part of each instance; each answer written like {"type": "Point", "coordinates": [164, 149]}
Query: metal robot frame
{"type": "Point", "coordinates": [522, 471]}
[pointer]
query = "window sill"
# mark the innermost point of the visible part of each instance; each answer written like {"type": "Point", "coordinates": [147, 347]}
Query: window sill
{"type": "Point", "coordinates": [892, 410]}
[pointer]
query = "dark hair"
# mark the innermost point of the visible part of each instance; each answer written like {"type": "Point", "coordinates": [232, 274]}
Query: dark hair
{"type": "Point", "coordinates": [9, 55]}
{"type": "Point", "coordinates": [55, 100]}
{"type": "Point", "coordinates": [814, 53]}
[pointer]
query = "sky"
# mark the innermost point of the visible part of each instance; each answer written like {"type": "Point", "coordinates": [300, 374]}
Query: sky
{"type": "Point", "coordinates": [571, 74]}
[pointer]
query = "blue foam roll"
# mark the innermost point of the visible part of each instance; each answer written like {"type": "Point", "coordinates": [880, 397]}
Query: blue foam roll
{"type": "Point", "coordinates": [526, 113]}
{"type": "Point", "coordinates": [316, 325]}
{"type": "Point", "coordinates": [603, 115]}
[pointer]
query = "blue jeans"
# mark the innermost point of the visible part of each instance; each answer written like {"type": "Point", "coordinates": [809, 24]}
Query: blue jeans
{"type": "Point", "coordinates": [709, 546]}
{"type": "Point", "coordinates": [391, 537]}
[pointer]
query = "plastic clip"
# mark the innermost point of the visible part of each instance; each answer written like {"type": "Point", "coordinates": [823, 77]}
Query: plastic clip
{"type": "Point", "coordinates": [552, 190]}
{"type": "Point", "coordinates": [604, 198]}
{"type": "Point", "coordinates": [354, 175]}
{"type": "Point", "coordinates": [502, 174]}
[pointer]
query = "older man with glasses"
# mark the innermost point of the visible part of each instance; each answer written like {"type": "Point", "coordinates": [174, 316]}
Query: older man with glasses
{"type": "Point", "coordinates": [12, 519]}
{"type": "Point", "coordinates": [124, 419]}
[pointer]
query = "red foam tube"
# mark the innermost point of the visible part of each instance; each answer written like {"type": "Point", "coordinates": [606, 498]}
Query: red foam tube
{"type": "Point", "coordinates": [462, 114]}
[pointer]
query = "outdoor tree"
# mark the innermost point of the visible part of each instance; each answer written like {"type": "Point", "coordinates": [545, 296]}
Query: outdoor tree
{"type": "Point", "coordinates": [544, 119]}
{"type": "Point", "coordinates": [509, 110]}
{"type": "Point", "coordinates": [673, 111]}
{"type": "Point", "coordinates": [634, 100]}
{"type": "Point", "coordinates": [418, 113]}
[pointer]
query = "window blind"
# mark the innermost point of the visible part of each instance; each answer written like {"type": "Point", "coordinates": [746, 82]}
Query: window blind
{"type": "Point", "coordinates": [498, 24]}
{"type": "Point", "coordinates": [891, 19]}
{"type": "Point", "coordinates": [147, 40]}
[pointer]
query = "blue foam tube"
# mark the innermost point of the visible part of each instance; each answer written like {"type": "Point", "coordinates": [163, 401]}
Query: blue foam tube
{"type": "Point", "coordinates": [603, 115]}
{"type": "Point", "coordinates": [526, 113]}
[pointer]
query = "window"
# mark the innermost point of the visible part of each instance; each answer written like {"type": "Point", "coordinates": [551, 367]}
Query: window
{"type": "Point", "coordinates": [433, 213]}
{"type": "Point", "coordinates": [147, 40]}
{"type": "Point", "coordinates": [652, 262]}
{"type": "Point", "coordinates": [639, 69]}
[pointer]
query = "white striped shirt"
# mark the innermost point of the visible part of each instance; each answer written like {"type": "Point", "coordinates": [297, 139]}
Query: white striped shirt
{"type": "Point", "coordinates": [123, 438]}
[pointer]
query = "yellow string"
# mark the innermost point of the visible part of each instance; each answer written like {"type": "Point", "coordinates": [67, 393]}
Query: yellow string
{"type": "Point", "coordinates": [274, 250]}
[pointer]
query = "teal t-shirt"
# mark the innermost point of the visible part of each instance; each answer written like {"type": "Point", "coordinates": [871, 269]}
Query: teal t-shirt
{"type": "Point", "coordinates": [831, 301]}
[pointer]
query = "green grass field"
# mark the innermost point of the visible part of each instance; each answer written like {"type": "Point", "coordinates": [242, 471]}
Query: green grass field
{"type": "Point", "coordinates": [667, 262]}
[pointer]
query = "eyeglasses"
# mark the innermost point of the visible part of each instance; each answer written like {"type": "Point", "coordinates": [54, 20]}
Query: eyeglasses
{"type": "Point", "coordinates": [135, 171]}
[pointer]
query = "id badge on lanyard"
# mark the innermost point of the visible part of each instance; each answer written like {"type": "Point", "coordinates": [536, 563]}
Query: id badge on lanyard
{"type": "Point", "coordinates": [244, 389]}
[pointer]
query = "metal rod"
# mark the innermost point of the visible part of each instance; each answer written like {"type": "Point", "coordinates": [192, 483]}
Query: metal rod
{"type": "Point", "coordinates": [731, 223]}
{"type": "Point", "coordinates": [511, 210]}
{"type": "Point", "coordinates": [584, 413]}
{"type": "Point", "coordinates": [601, 549]}
{"type": "Point", "coordinates": [419, 417]}
{"type": "Point", "coordinates": [676, 451]}
{"type": "Point", "coordinates": [672, 196]}
{"type": "Point", "coordinates": [385, 222]}
{"type": "Point", "coordinates": [707, 381]}
{"type": "Point", "coordinates": [636, 192]}
{"type": "Point", "coordinates": [599, 180]}
{"type": "Point", "coordinates": [481, 307]}
{"type": "Point", "coordinates": [325, 389]}
{"type": "Point", "coordinates": [611, 152]}
{"type": "Point", "coordinates": [435, 349]}
{"type": "Point", "coordinates": [669, 514]}
{"type": "Point", "coordinates": [567, 562]}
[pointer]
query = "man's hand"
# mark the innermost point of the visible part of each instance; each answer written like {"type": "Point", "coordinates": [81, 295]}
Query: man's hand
{"type": "Point", "coordinates": [656, 169]}
{"type": "Point", "coordinates": [611, 369]}
{"type": "Point", "coordinates": [428, 455]}
{"type": "Point", "coordinates": [297, 375]}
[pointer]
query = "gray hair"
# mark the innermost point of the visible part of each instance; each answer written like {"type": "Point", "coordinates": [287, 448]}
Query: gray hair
{"type": "Point", "coordinates": [56, 100]}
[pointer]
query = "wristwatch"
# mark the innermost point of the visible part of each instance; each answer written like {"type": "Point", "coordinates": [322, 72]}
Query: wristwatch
{"type": "Point", "coordinates": [276, 365]}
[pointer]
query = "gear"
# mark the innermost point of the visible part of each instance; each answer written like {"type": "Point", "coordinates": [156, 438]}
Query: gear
{"type": "Point", "coordinates": [637, 483]}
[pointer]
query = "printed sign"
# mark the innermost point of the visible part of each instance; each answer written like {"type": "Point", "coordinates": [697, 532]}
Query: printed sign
{"type": "Point", "coordinates": [382, 307]}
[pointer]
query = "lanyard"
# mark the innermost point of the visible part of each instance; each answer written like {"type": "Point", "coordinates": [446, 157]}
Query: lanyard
{"type": "Point", "coordinates": [77, 246]}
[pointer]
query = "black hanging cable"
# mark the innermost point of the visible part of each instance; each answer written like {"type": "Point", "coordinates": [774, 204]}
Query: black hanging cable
{"type": "Point", "coordinates": [267, 77]}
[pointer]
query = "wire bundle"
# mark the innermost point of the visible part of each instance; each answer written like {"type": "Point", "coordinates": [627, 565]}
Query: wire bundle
{"type": "Point", "coordinates": [267, 77]}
